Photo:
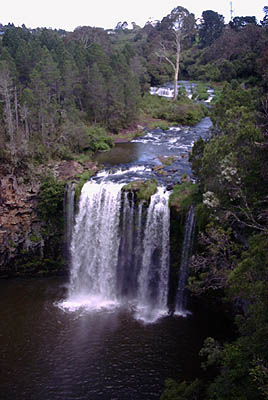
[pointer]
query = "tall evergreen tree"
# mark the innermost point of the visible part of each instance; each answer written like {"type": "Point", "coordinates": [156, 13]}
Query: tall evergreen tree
{"type": "Point", "coordinates": [212, 25]}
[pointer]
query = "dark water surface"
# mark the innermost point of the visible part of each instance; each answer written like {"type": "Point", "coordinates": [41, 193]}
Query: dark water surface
{"type": "Point", "coordinates": [49, 354]}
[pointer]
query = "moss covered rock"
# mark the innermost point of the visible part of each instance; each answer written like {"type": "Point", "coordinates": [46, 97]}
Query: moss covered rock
{"type": "Point", "coordinates": [142, 189]}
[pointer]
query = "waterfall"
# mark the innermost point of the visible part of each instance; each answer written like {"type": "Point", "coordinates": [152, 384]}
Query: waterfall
{"type": "Point", "coordinates": [95, 245]}
{"type": "Point", "coordinates": [184, 264]}
{"type": "Point", "coordinates": [153, 277]}
{"type": "Point", "coordinates": [68, 218]}
{"type": "Point", "coordinates": [120, 251]}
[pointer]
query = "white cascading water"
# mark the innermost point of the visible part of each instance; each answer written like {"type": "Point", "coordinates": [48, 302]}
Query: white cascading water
{"type": "Point", "coordinates": [153, 277]}
{"type": "Point", "coordinates": [113, 258]}
{"type": "Point", "coordinates": [184, 264]}
{"type": "Point", "coordinates": [94, 249]}
{"type": "Point", "coordinates": [68, 218]}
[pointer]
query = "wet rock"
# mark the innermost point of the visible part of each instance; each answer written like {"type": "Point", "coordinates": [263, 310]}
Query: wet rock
{"type": "Point", "coordinates": [170, 186]}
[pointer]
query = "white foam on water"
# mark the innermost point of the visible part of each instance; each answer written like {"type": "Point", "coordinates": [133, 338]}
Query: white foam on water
{"type": "Point", "coordinates": [148, 315]}
{"type": "Point", "coordinates": [182, 313]}
{"type": "Point", "coordinates": [173, 140]}
{"type": "Point", "coordinates": [175, 128]}
{"type": "Point", "coordinates": [88, 303]}
{"type": "Point", "coordinates": [119, 171]}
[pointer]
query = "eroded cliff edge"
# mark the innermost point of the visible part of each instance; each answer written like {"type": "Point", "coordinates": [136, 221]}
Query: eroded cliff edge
{"type": "Point", "coordinates": [32, 239]}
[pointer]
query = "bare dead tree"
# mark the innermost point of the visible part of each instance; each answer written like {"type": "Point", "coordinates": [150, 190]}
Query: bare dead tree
{"type": "Point", "coordinates": [180, 24]}
{"type": "Point", "coordinates": [164, 53]}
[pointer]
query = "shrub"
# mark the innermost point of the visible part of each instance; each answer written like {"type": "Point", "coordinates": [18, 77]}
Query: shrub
{"type": "Point", "coordinates": [183, 196]}
{"type": "Point", "coordinates": [182, 111]}
{"type": "Point", "coordinates": [51, 199]}
{"type": "Point", "coordinates": [98, 139]}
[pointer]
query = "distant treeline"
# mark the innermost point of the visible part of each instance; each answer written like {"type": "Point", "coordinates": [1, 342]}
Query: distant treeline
{"type": "Point", "coordinates": [61, 92]}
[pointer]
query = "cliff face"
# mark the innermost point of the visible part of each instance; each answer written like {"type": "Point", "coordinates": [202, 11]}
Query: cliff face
{"type": "Point", "coordinates": [29, 244]}
{"type": "Point", "coordinates": [19, 222]}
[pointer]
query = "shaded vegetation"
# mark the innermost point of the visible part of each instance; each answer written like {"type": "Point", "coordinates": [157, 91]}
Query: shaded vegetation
{"type": "Point", "coordinates": [230, 261]}
{"type": "Point", "coordinates": [51, 201]}
{"type": "Point", "coordinates": [183, 196]}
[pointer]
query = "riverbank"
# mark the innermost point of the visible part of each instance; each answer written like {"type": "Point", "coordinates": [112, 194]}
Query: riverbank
{"type": "Point", "coordinates": [160, 112]}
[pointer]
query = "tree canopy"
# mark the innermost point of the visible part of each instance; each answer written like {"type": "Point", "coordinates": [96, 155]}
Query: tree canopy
{"type": "Point", "coordinates": [212, 25]}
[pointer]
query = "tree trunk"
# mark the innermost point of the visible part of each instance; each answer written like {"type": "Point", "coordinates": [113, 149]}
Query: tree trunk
{"type": "Point", "coordinates": [43, 128]}
{"type": "Point", "coordinates": [24, 116]}
{"type": "Point", "coordinates": [5, 91]}
{"type": "Point", "coordinates": [177, 65]}
{"type": "Point", "coordinates": [176, 77]}
{"type": "Point", "coordinates": [16, 108]}
{"type": "Point", "coordinates": [9, 118]}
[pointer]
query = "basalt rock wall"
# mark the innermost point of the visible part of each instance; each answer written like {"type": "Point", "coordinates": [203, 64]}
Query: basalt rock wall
{"type": "Point", "coordinates": [30, 245]}
{"type": "Point", "coordinates": [19, 222]}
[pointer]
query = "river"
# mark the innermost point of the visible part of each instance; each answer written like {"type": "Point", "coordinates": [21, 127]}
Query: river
{"type": "Point", "coordinates": [147, 151]}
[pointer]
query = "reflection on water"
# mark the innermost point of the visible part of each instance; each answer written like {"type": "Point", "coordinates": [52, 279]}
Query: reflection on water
{"type": "Point", "coordinates": [49, 354]}
{"type": "Point", "coordinates": [122, 153]}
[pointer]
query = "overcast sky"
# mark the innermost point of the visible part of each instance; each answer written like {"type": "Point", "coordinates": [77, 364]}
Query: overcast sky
{"type": "Point", "coordinates": [68, 14]}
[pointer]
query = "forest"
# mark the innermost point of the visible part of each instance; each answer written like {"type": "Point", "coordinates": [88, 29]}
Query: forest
{"type": "Point", "coordinates": [65, 95]}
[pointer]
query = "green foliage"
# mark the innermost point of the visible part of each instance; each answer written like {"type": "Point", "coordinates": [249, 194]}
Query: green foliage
{"type": "Point", "coordinates": [200, 93]}
{"type": "Point", "coordinates": [51, 199]}
{"type": "Point", "coordinates": [160, 124]}
{"type": "Point", "coordinates": [183, 111]}
{"type": "Point", "coordinates": [181, 390]}
{"type": "Point", "coordinates": [98, 139]}
{"type": "Point", "coordinates": [253, 267]}
{"type": "Point", "coordinates": [231, 98]}
{"type": "Point", "coordinates": [202, 215]}
{"type": "Point", "coordinates": [183, 196]}
{"type": "Point", "coordinates": [216, 258]}
{"type": "Point", "coordinates": [229, 166]}
{"type": "Point", "coordinates": [212, 350]}
{"type": "Point", "coordinates": [239, 23]}
{"type": "Point", "coordinates": [63, 86]}
{"type": "Point", "coordinates": [208, 72]}
{"type": "Point", "coordinates": [259, 374]}
{"type": "Point", "coordinates": [92, 77]}
{"type": "Point", "coordinates": [33, 265]}
{"type": "Point", "coordinates": [232, 248]}
{"type": "Point", "coordinates": [244, 362]}
{"type": "Point", "coordinates": [195, 157]}
{"type": "Point", "coordinates": [212, 25]}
